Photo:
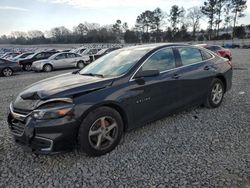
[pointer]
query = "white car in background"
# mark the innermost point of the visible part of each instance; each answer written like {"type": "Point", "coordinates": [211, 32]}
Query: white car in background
{"type": "Point", "coordinates": [61, 60]}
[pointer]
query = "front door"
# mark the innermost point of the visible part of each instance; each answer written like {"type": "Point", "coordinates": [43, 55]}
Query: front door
{"type": "Point", "coordinates": [155, 96]}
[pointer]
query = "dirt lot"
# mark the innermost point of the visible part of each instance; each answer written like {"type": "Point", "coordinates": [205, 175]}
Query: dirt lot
{"type": "Point", "coordinates": [195, 148]}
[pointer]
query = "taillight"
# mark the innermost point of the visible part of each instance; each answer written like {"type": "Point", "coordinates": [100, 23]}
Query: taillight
{"type": "Point", "coordinates": [18, 62]}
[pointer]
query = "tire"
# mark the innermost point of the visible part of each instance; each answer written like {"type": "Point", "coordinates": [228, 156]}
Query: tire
{"type": "Point", "coordinates": [103, 125]}
{"type": "Point", "coordinates": [80, 65]}
{"type": "Point", "coordinates": [7, 72]}
{"type": "Point", "coordinates": [27, 67]}
{"type": "Point", "coordinates": [47, 68]}
{"type": "Point", "coordinates": [215, 94]}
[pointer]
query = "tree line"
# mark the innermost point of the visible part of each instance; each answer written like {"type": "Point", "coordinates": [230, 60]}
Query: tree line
{"type": "Point", "coordinates": [151, 26]}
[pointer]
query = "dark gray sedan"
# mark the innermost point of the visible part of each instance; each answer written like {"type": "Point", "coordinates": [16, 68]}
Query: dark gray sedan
{"type": "Point", "coordinates": [7, 68]}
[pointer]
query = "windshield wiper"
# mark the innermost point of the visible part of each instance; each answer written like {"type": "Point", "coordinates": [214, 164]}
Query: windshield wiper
{"type": "Point", "coordinates": [92, 74]}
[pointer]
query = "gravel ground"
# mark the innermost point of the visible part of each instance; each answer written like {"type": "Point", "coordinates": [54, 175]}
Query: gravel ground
{"type": "Point", "coordinates": [195, 148]}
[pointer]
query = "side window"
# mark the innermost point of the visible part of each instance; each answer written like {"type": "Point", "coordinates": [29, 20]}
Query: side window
{"type": "Point", "coordinates": [47, 55]}
{"type": "Point", "coordinates": [190, 55]}
{"type": "Point", "coordinates": [161, 60]}
{"type": "Point", "coordinates": [82, 50]}
{"type": "Point", "coordinates": [205, 55]}
{"type": "Point", "coordinates": [69, 55]}
{"type": "Point", "coordinates": [40, 55]}
{"type": "Point", "coordinates": [60, 56]}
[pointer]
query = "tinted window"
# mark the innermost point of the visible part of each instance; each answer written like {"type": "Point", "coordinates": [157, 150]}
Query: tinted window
{"type": "Point", "coordinates": [190, 55]}
{"type": "Point", "coordinates": [214, 48]}
{"type": "Point", "coordinates": [40, 55]}
{"type": "Point", "coordinates": [205, 55]}
{"type": "Point", "coordinates": [82, 50]}
{"type": "Point", "coordinates": [60, 56]}
{"type": "Point", "coordinates": [161, 60]}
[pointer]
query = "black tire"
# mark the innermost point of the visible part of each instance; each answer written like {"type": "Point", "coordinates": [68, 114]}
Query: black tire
{"type": "Point", "coordinates": [27, 67]}
{"type": "Point", "coordinates": [47, 68]}
{"type": "Point", "coordinates": [210, 100]}
{"type": "Point", "coordinates": [80, 65]}
{"type": "Point", "coordinates": [7, 72]}
{"type": "Point", "coordinates": [86, 142]}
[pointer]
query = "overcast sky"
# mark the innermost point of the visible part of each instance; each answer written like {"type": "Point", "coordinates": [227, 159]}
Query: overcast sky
{"type": "Point", "coordinates": [24, 15]}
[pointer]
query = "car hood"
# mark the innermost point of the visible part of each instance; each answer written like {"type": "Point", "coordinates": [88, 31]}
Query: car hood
{"type": "Point", "coordinates": [62, 86]}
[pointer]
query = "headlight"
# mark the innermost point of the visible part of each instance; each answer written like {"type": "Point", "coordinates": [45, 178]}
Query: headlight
{"type": "Point", "coordinates": [52, 113]}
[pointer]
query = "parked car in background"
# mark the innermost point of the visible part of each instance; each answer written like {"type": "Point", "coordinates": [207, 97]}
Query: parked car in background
{"type": "Point", "coordinates": [21, 56]}
{"type": "Point", "coordinates": [59, 61]}
{"type": "Point", "coordinates": [79, 50]}
{"type": "Point", "coordinates": [7, 68]}
{"type": "Point", "coordinates": [10, 55]}
{"type": "Point", "coordinates": [91, 51]}
{"type": "Point", "coordinates": [125, 89]}
{"type": "Point", "coordinates": [223, 52]}
{"type": "Point", "coordinates": [26, 63]}
{"type": "Point", "coordinates": [101, 53]}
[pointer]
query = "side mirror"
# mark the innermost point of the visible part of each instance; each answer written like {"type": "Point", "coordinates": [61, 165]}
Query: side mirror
{"type": "Point", "coordinates": [147, 73]}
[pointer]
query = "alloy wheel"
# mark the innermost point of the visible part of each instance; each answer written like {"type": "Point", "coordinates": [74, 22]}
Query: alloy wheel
{"type": "Point", "coordinates": [7, 72]}
{"type": "Point", "coordinates": [47, 68]}
{"type": "Point", "coordinates": [217, 93]}
{"type": "Point", "coordinates": [103, 133]}
{"type": "Point", "coordinates": [27, 67]}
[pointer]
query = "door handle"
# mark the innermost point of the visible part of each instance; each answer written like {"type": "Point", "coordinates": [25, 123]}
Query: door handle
{"type": "Point", "coordinates": [207, 67]}
{"type": "Point", "coordinates": [176, 76]}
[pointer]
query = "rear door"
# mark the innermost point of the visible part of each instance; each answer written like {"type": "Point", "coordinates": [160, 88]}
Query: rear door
{"type": "Point", "coordinates": [195, 74]}
{"type": "Point", "coordinates": [60, 61]}
{"type": "Point", "coordinates": [71, 59]}
{"type": "Point", "coordinates": [155, 96]}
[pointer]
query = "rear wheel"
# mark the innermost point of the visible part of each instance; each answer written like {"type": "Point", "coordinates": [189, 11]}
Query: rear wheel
{"type": "Point", "coordinates": [47, 68]}
{"type": "Point", "coordinates": [27, 67]}
{"type": "Point", "coordinates": [7, 72]}
{"type": "Point", "coordinates": [80, 65]}
{"type": "Point", "coordinates": [100, 132]}
{"type": "Point", "coordinates": [216, 94]}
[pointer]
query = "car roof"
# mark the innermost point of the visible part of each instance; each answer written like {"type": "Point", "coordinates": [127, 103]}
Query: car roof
{"type": "Point", "coordinates": [153, 46]}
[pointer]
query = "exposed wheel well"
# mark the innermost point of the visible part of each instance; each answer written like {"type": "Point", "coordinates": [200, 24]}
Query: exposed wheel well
{"type": "Point", "coordinates": [222, 78]}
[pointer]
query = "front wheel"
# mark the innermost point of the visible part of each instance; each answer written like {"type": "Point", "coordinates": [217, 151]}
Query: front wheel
{"type": "Point", "coordinates": [27, 67]}
{"type": "Point", "coordinates": [7, 72]}
{"type": "Point", "coordinates": [100, 132]}
{"type": "Point", "coordinates": [216, 94]}
{"type": "Point", "coordinates": [80, 65]}
{"type": "Point", "coordinates": [47, 68]}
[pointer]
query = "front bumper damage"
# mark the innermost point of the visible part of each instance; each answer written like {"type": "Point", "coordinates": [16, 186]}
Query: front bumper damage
{"type": "Point", "coordinates": [43, 136]}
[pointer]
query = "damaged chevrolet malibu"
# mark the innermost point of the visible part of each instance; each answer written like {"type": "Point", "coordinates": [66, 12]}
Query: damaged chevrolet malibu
{"type": "Point", "coordinates": [92, 108]}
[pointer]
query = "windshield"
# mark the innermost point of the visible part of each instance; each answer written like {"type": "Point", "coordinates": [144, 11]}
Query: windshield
{"type": "Point", "coordinates": [115, 63]}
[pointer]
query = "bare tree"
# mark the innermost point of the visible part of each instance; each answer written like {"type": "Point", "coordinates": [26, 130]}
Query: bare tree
{"type": "Point", "coordinates": [238, 7]}
{"type": "Point", "coordinates": [35, 34]}
{"type": "Point", "coordinates": [194, 16]}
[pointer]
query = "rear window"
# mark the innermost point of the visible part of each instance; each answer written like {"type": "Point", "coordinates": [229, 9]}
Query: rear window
{"type": "Point", "coordinates": [190, 55]}
{"type": "Point", "coordinates": [206, 55]}
{"type": "Point", "coordinates": [213, 48]}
